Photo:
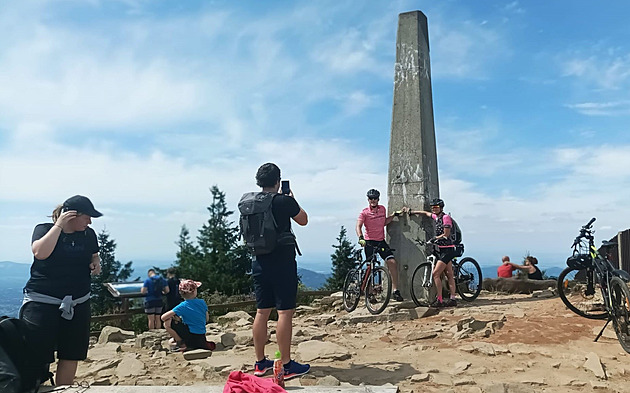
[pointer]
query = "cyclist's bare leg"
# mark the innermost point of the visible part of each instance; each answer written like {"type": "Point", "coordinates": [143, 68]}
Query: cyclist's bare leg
{"type": "Point", "coordinates": [437, 277]}
{"type": "Point", "coordinates": [259, 331]}
{"type": "Point", "coordinates": [393, 270]}
{"type": "Point", "coordinates": [451, 279]}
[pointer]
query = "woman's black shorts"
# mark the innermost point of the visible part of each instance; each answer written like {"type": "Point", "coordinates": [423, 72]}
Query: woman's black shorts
{"type": "Point", "coordinates": [49, 332]}
{"type": "Point", "coordinates": [447, 254]}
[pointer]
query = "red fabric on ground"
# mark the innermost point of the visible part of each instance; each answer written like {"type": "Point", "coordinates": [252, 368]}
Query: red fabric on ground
{"type": "Point", "coordinates": [239, 382]}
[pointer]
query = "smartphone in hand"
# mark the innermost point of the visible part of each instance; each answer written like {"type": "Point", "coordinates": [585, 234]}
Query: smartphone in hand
{"type": "Point", "coordinates": [285, 189]}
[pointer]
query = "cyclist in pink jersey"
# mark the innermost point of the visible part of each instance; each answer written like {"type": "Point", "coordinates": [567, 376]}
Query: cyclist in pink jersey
{"type": "Point", "coordinates": [374, 218]}
{"type": "Point", "coordinates": [443, 226]}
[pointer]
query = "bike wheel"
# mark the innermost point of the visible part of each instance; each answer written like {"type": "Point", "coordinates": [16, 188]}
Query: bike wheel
{"type": "Point", "coordinates": [468, 279]}
{"type": "Point", "coordinates": [581, 293]}
{"type": "Point", "coordinates": [422, 289]}
{"type": "Point", "coordinates": [620, 299]}
{"type": "Point", "coordinates": [378, 290]}
{"type": "Point", "coordinates": [351, 290]}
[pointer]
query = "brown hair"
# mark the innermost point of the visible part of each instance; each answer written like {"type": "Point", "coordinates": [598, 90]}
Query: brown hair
{"type": "Point", "coordinates": [532, 260]}
{"type": "Point", "coordinates": [56, 213]}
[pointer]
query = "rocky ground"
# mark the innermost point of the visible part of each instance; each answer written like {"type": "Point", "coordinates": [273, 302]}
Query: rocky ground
{"type": "Point", "coordinates": [498, 343]}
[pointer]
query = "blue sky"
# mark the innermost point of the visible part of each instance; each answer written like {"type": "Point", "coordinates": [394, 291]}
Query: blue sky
{"type": "Point", "coordinates": [144, 105]}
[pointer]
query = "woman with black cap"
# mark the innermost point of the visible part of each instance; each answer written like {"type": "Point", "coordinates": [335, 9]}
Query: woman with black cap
{"type": "Point", "coordinates": [56, 306]}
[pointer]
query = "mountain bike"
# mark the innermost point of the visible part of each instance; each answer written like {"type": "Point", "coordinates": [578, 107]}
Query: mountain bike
{"type": "Point", "coordinates": [369, 278]}
{"type": "Point", "coordinates": [592, 288]}
{"type": "Point", "coordinates": [467, 277]}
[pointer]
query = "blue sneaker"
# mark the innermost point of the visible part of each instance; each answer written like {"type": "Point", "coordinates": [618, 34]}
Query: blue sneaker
{"type": "Point", "coordinates": [261, 367]}
{"type": "Point", "coordinates": [294, 369]}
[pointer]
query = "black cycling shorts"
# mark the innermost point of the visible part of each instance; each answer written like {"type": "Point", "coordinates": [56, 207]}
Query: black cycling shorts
{"type": "Point", "coordinates": [380, 246]}
{"type": "Point", "coordinates": [447, 254]}
{"type": "Point", "coordinates": [48, 332]}
{"type": "Point", "coordinates": [275, 279]}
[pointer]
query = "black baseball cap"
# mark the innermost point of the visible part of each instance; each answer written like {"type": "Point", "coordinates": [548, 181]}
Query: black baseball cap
{"type": "Point", "coordinates": [82, 205]}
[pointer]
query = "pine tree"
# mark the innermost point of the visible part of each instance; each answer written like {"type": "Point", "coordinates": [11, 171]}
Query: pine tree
{"type": "Point", "coordinates": [102, 301]}
{"type": "Point", "coordinates": [342, 261]}
{"type": "Point", "coordinates": [219, 262]}
{"type": "Point", "coordinates": [189, 262]}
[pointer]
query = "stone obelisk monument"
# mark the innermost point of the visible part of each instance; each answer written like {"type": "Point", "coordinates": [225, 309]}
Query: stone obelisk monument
{"type": "Point", "coordinates": [413, 173]}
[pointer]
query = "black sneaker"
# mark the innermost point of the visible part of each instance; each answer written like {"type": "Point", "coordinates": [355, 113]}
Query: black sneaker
{"type": "Point", "coordinates": [396, 296]}
{"type": "Point", "coordinates": [450, 303]}
{"type": "Point", "coordinates": [437, 304]}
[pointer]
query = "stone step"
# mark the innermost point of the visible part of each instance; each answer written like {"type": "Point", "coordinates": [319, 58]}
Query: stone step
{"type": "Point", "coordinates": [213, 389]}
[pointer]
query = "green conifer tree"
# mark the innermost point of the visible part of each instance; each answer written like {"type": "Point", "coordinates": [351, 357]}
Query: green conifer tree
{"type": "Point", "coordinates": [342, 261]}
{"type": "Point", "coordinates": [218, 261]}
{"type": "Point", "coordinates": [111, 271]}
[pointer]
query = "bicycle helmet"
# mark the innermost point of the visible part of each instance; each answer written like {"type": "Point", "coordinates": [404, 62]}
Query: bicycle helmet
{"type": "Point", "coordinates": [580, 261]}
{"type": "Point", "coordinates": [437, 202]}
{"type": "Point", "coordinates": [373, 194]}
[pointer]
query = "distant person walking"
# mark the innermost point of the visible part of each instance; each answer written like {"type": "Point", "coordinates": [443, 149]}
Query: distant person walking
{"type": "Point", "coordinates": [275, 277]}
{"type": "Point", "coordinates": [173, 297]}
{"type": "Point", "coordinates": [56, 306]}
{"type": "Point", "coordinates": [154, 287]}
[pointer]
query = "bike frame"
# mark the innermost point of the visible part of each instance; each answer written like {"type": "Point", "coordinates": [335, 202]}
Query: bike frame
{"type": "Point", "coordinates": [602, 268]}
{"type": "Point", "coordinates": [432, 258]}
{"type": "Point", "coordinates": [365, 271]}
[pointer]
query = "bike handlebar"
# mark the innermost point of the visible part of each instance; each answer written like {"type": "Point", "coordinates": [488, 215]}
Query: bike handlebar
{"type": "Point", "coordinates": [585, 232]}
{"type": "Point", "coordinates": [588, 226]}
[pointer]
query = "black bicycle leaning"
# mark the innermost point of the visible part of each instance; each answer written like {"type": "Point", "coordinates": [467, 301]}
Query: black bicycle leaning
{"type": "Point", "coordinates": [591, 286]}
{"type": "Point", "coordinates": [368, 278]}
{"type": "Point", "coordinates": [467, 277]}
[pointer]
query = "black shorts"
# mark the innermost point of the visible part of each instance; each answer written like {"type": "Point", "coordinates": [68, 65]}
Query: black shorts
{"type": "Point", "coordinates": [447, 254]}
{"type": "Point", "coordinates": [48, 332]}
{"type": "Point", "coordinates": [275, 279]}
{"type": "Point", "coordinates": [380, 246]}
{"type": "Point", "coordinates": [192, 340]}
{"type": "Point", "coordinates": [153, 307]}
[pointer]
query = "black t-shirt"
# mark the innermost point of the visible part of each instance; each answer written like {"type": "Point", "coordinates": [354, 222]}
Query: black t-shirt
{"type": "Point", "coordinates": [173, 298]}
{"type": "Point", "coordinates": [67, 270]}
{"type": "Point", "coordinates": [284, 208]}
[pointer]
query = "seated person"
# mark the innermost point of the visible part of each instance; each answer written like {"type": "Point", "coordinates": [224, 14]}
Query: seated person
{"type": "Point", "coordinates": [529, 267]}
{"type": "Point", "coordinates": [506, 269]}
{"type": "Point", "coordinates": [186, 322]}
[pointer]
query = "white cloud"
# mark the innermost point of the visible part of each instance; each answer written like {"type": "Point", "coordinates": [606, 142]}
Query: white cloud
{"type": "Point", "coordinates": [618, 108]}
{"type": "Point", "coordinates": [607, 71]}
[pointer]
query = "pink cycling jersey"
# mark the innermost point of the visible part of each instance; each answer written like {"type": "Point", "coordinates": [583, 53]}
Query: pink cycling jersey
{"type": "Point", "coordinates": [447, 222]}
{"type": "Point", "coordinates": [374, 222]}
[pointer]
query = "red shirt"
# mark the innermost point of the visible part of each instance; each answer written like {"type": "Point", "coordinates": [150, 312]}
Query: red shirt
{"type": "Point", "coordinates": [505, 270]}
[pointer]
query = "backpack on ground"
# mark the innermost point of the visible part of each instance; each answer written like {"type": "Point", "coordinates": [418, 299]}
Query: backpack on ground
{"type": "Point", "coordinates": [257, 224]}
{"type": "Point", "coordinates": [20, 372]}
{"type": "Point", "coordinates": [158, 285]}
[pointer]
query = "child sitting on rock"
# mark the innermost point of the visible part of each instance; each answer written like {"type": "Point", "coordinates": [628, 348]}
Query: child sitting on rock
{"type": "Point", "coordinates": [186, 323]}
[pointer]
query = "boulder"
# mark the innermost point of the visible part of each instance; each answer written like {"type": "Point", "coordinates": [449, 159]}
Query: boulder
{"type": "Point", "coordinates": [111, 334]}
{"type": "Point", "coordinates": [313, 350]}
{"type": "Point", "coordinates": [516, 285]}
{"type": "Point", "coordinates": [595, 365]}
{"type": "Point", "coordinates": [233, 317]}
{"type": "Point", "coordinates": [197, 354]}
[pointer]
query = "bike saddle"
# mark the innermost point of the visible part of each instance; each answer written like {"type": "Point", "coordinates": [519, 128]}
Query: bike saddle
{"type": "Point", "coordinates": [624, 275]}
{"type": "Point", "coordinates": [609, 244]}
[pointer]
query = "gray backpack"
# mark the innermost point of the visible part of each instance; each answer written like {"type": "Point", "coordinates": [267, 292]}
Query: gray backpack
{"type": "Point", "coordinates": [257, 224]}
